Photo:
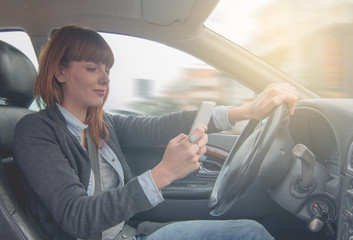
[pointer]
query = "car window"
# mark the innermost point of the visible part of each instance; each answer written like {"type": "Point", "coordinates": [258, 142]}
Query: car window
{"type": "Point", "coordinates": [152, 78]}
{"type": "Point", "coordinates": [21, 41]}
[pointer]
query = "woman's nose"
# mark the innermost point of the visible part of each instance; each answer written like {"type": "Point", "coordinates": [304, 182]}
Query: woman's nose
{"type": "Point", "coordinates": [104, 78]}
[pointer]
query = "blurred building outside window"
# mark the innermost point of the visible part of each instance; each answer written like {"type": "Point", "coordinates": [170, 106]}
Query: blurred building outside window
{"type": "Point", "coordinates": [311, 41]}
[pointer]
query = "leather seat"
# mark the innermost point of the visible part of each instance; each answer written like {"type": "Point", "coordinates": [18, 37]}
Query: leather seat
{"type": "Point", "coordinates": [17, 75]}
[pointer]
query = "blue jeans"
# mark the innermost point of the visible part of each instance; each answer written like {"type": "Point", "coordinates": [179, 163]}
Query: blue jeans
{"type": "Point", "coordinates": [210, 230]}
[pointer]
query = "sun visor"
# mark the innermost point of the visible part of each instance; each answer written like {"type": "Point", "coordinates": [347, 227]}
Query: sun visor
{"type": "Point", "coordinates": [166, 12]}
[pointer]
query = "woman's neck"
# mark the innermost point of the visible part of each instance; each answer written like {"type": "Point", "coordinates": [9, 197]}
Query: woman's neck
{"type": "Point", "coordinates": [79, 113]}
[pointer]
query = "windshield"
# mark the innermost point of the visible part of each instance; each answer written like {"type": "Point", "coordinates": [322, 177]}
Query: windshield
{"type": "Point", "coordinates": [311, 41]}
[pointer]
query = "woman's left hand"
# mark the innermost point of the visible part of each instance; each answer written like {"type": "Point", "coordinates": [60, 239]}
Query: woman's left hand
{"type": "Point", "coordinates": [261, 106]}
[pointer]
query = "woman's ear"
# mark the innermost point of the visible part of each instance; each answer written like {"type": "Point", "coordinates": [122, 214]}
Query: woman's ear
{"type": "Point", "coordinates": [60, 74]}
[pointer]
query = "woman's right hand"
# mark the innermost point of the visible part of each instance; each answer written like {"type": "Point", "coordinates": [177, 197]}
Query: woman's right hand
{"type": "Point", "coordinates": [181, 157]}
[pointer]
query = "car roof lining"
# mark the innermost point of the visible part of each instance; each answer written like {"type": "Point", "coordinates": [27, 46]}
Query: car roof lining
{"type": "Point", "coordinates": [130, 17]}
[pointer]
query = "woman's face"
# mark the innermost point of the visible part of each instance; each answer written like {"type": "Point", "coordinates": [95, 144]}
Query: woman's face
{"type": "Point", "coordinates": [85, 85]}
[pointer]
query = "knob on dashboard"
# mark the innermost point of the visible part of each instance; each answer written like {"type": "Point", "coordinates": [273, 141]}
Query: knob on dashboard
{"type": "Point", "coordinates": [316, 224]}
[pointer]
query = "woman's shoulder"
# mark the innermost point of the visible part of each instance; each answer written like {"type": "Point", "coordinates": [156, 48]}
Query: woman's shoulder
{"type": "Point", "coordinates": [30, 118]}
{"type": "Point", "coordinates": [37, 121]}
{"type": "Point", "coordinates": [33, 118]}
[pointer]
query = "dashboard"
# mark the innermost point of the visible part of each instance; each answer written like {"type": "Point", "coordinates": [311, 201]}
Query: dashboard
{"type": "Point", "coordinates": [325, 127]}
{"type": "Point", "coordinates": [310, 127]}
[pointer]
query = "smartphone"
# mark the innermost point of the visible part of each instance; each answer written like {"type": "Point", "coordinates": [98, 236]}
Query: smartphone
{"type": "Point", "coordinates": [203, 115]}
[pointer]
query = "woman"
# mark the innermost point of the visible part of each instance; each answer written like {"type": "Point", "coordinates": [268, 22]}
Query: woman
{"type": "Point", "coordinates": [70, 199]}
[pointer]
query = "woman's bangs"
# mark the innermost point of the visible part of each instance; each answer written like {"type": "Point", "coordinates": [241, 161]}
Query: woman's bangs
{"type": "Point", "coordinates": [92, 49]}
{"type": "Point", "coordinates": [100, 54]}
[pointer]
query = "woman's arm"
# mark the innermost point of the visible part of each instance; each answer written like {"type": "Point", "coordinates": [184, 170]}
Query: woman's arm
{"type": "Point", "coordinates": [152, 130]}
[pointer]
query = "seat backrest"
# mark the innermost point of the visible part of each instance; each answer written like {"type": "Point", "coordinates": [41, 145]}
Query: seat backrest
{"type": "Point", "coordinates": [17, 75]}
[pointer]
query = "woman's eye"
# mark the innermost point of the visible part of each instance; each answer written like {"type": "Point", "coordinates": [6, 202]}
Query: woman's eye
{"type": "Point", "coordinates": [91, 69]}
{"type": "Point", "coordinates": [107, 71]}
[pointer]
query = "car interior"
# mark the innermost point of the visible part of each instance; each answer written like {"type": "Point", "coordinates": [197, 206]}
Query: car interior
{"type": "Point", "coordinates": [301, 187]}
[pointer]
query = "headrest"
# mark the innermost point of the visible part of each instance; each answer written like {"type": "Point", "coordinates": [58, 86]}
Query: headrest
{"type": "Point", "coordinates": [9, 116]}
{"type": "Point", "coordinates": [17, 75]}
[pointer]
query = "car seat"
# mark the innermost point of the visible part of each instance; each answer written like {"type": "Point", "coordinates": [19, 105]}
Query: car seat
{"type": "Point", "coordinates": [17, 75]}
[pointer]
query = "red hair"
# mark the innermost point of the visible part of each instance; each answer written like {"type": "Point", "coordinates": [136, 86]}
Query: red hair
{"type": "Point", "coordinates": [73, 43]}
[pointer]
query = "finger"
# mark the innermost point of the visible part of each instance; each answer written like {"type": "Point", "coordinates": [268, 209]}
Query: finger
{"type": "Point", "coordinates": [289, 92]}
{"type": "Point", "coordinates": [203, 139]}
{"type": "Point", "coordinates": [197, 133]}
{"type": "Point", "coordinates": [201, 144]}
{"type": "Point", "coordinates": [200, 149]}
{"type": "Point", "coordinates": [181, 137]}
{"type": "Point", "coordinates": [277, 89]}
{"type": "Point", "coordinates": [290, 100]}
{"type": "Point", "coordinates": [203, 150]}
{"type": "Point", "coordinates": [273, 102]}
{"type": "Point", "coordinates": [195, 162]}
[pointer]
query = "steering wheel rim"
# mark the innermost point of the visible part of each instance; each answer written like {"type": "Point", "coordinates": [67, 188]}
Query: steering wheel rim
{"type": "Point", "coordinates": [238, 171]}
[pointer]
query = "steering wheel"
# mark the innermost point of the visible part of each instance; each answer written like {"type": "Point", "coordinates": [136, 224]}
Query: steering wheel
{"type": "Point", "coordinates": [243, 163]}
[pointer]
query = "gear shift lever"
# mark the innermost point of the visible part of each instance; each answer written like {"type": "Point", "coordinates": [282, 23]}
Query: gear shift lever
{"type": "Point", "coordinates": [307, 159]}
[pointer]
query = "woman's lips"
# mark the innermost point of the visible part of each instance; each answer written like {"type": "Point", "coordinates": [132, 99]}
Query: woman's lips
{"type": "Point", "coordinates": [100, 92]}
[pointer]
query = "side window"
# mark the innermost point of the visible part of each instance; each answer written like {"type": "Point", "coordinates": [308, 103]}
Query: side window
{"type": "Point", "coordinates": [21, 41]}
{"type": "Point", "coordinates": [151, 78]}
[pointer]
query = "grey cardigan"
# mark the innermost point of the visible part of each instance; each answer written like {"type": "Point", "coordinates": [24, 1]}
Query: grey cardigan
{"type": "Point", "coordinates": [56, 171]}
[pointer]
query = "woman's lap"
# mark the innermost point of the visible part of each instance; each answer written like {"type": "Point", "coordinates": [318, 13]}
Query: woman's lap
{"type": "Point", "coordinates": [211, 230]}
